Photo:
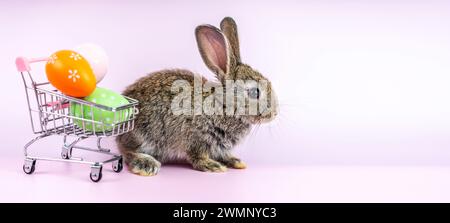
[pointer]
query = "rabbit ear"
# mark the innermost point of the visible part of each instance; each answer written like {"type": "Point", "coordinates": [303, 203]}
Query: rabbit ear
{"type": "Point", "coordinates": [213, 47]}
{"type": "Point", "coordinates": [229, 28]}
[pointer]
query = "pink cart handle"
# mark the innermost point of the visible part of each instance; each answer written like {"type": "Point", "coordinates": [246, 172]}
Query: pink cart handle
{"type": "Point", "coordinates": [23, 64]}
{"type": "Point", "coordinates": [58, 105]}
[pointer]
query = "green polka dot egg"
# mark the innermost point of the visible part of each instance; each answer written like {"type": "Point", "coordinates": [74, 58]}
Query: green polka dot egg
{"type": "Point", "coordinates": [106, 118]}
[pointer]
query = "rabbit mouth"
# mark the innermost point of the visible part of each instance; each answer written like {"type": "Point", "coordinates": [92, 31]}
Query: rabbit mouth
{"type": "Point", "coordinates": [259, 120]}
{"type": "Point", "coordinates": [266, 118]}
{"type": "Point", "coordinates": [264, 121]}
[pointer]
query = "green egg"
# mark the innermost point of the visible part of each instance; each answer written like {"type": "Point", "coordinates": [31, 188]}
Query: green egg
{"type": "Point", "coordinates": [106, 118]}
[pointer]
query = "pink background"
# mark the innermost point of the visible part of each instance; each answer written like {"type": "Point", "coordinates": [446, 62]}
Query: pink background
{"type": "Point", "coordinates": [363, 87]}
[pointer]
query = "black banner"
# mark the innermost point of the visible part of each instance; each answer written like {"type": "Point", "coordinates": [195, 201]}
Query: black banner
{"type": "Point", "coordinates": [229, 213]}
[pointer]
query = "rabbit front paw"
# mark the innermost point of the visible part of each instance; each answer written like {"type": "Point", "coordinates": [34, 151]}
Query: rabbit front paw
{"type": "Point", "coordinates": [208, 165]}
{"type": "Point", "coordinates": [234, 163]}
{"type": "Point", "coordinates": [144, 165]}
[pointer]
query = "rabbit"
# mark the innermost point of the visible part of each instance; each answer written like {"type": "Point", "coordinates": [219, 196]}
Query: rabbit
{"type": "Point", "coordinates": [203, 141]}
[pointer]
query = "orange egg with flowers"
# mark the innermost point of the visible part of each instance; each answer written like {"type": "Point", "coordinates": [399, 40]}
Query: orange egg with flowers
{"type": "Point", "coordinates": [70, 73]}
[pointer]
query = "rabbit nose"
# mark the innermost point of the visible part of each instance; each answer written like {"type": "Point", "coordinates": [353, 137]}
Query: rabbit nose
{"type": "Point", "coordinates": [276, 107]}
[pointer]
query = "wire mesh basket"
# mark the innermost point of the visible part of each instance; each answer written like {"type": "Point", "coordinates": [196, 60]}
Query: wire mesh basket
{"type": "Point", "coordinates": [53, 113]}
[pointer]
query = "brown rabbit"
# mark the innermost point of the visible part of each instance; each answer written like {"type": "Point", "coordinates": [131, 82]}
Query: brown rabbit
{"type": "Point", "coordinates": [205, 141]}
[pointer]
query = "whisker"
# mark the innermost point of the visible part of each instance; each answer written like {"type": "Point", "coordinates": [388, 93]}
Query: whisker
{"type": "Point", "coordinates": [253, 132]}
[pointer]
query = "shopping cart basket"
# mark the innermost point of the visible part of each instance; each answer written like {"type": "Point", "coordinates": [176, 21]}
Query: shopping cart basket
{"type": "Point", "coordinates": [50, 114]}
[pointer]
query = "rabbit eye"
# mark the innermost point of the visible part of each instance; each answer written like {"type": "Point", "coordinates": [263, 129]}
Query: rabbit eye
{"type": "Point", "coordinates": [253, 93]}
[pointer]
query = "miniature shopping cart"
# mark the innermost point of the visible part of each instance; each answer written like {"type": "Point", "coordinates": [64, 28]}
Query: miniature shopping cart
{"type": "Point", "coordinates": [50, 114]}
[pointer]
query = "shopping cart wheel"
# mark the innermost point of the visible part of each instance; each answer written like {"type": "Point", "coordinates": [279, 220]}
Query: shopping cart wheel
{"type": "Point", "coordinates": [66, 153]}
{"type": "Point", "coordinates": [96, 173]}
{"type": "Point", "coordinates": [118, 165]}
{"type": "Point", "coordinates": [29, 166]}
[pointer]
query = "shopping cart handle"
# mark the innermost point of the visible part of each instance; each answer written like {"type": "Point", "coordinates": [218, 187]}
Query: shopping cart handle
{"type": "Point", "coordinates": [23, 64]}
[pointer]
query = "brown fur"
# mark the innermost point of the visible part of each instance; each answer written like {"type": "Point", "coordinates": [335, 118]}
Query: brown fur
{"type": "Point", "coordinates": [205, 141]}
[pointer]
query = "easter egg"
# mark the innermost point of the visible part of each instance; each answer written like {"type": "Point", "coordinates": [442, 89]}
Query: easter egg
{"type": "Point", "coordinates": [106, 118]}
{"type": "Point", "coordinates": [70, 73]}
{"type": "Point", "coordinates": [97, 58]}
